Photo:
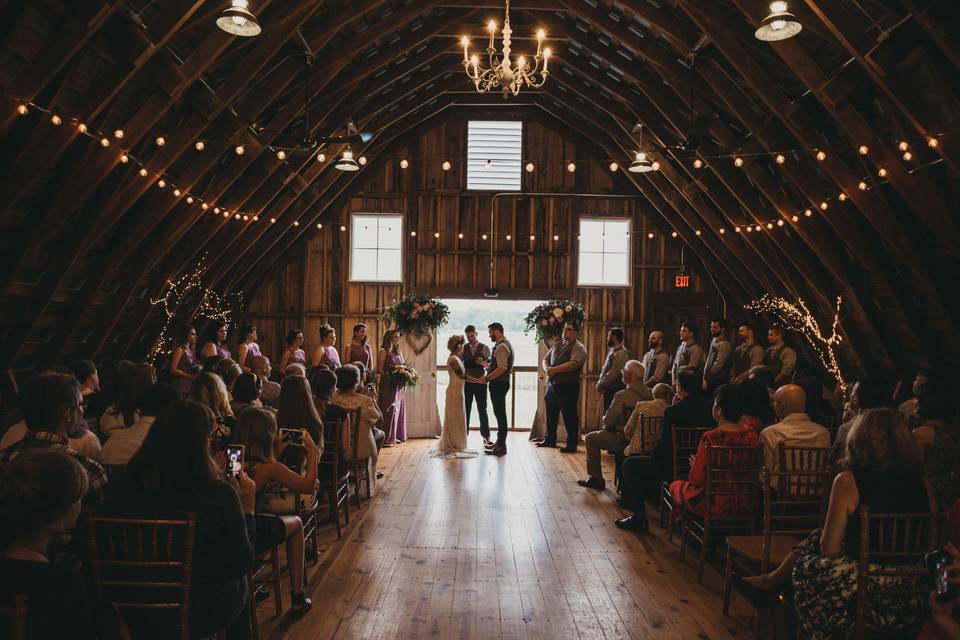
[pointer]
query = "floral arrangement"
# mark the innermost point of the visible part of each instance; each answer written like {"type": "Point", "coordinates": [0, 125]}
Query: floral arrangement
{"type": "Point", "coordinates": [416, 313]}
{"type": "Point", "coordinates": [404, 376]}
{"type": "Point", "coordinates": [547, 319]}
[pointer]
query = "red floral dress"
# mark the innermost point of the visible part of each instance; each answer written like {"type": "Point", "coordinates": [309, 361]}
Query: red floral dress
{"type": "Point", "coordinates": [690, 493]}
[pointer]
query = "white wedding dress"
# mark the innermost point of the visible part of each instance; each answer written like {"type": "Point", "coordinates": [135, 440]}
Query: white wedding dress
{"type": "Point", "coordinates": [453, 438]}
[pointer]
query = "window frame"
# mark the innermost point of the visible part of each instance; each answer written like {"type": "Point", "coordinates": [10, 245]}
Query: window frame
{"type": "Point", "coordinates": [629, 255]}
{"type": "Point", "coordinates": [466, 157]}
{"type": "Point", "coordinates": [378, 216]}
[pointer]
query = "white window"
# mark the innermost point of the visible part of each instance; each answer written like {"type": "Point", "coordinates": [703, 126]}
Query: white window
{"type": "Point", "coordinates": [493, 155]}
{"type": "Point", "coordinates": [604, 252]}
{"type": "Point", "coordinates": [376, 243]}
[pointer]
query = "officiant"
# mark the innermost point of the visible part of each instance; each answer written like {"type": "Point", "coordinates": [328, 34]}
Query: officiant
{"type": "Point", "coordinates": [475, 358]}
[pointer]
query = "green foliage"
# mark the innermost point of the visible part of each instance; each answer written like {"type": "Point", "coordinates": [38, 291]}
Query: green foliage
{"type": "Point", "coordinates": [416, 313]}
{"type": "Point", "coordinates": [547, 319]}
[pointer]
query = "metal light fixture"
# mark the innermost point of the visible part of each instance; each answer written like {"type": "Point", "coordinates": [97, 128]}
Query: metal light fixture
{"type": "Point", "coordinates": [346, 161]}
{"type": "Point", "coordinates": [641, 163]}
{"type": "Point", "coordinates": [503, 75]}
{"type": "Point", "coordinates": [238, 20]}
{"type": "Point", "coordinates": [780, 24]}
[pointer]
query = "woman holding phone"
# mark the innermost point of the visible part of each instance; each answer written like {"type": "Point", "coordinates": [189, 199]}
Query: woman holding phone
{"type": "Point", "coordinates": [257, 431]}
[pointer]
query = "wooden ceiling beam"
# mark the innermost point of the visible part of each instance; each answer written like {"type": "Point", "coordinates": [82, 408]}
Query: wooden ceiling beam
{"type": "Point", "coordinates": [934, 29]}
{"type": "Point", "coordinates": [683, 36]}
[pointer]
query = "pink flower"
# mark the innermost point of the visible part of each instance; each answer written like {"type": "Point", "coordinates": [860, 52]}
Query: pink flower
{"type": "Point", "coordinates": [543, 322]}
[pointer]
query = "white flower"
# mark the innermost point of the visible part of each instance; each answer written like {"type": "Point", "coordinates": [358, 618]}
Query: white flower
{"type": "Point", "coordinates": [557, 312]}
{"type": "Point", "coordinates": [568, 308]}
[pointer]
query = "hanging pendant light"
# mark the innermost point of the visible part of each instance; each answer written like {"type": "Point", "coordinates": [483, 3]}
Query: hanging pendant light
{"type": "Point", "coordinates": [780, 24]}
{"type": "Point", "coordinates": [641, 163]}
{"type": "Point", "coordinates": [238, 20]}
{"type": "Point", "coordinates": [346, 161]}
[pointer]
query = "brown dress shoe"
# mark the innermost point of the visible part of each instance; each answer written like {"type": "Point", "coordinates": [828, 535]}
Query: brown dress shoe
{"type": "Point", "coordinates": [496, 451]}
{"type": "Point", "coordinates": [593, 483]}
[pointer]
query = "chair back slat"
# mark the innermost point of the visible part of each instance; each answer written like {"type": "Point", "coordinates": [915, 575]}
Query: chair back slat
{"type": "Point", "coordinates": [733, 473]}
{"type": "Point", "coordinates": [151, 559]}
{"type": "Point", "coordinates": [686, 441]}
{"type": "Point", "coordinates": [355, 433]}
{"type": "Point", "coordinates": [332, 443]}
{"type": "Point", "coordinates": [650, 429]}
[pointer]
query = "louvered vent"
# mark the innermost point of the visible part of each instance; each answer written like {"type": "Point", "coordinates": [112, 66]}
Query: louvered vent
{"type": "Point", "coordinates": [494, 155]}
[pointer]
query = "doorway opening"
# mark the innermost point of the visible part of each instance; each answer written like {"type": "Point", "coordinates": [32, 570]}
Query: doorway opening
{"type": "Point", "coordinates": [524, 383]}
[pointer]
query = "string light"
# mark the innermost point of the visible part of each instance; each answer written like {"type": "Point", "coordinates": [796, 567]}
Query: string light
{"type": "Point", "coordinates": [882, 172]}
{"type": "Point", "coordinates": [698, 164]}
{"type": "Point", "coordinates": [124, 158]}
{"type": "Point", "coordinates": [655, 166]}
{"type": "Point", "coordinates": [189, 199]}
{"type": "Point", "coordinates": [446, 165]}
{"type": "Point", "coordinates": [216, 210]}
{"type": "Point", "coordinates": [781, 158]}
{"type": "Point", "coordinates": [483, 237]}
{"type": "Point", "coordinates": [118, 134]}
{"type": "Point", "coordinates": [82, 128]}
{"type": "Point", "coordinates": [614, 166]}
{"type": "Point", "coordinates": [738, 162]}
{"type": "Point", "coordinates": [143, 172]}
{"type": "Point", "coordinates": [319, 225]}
{"type": "Point", "coordinates": [529, 167]}
{"type": "Point", "coordinates": [161, 141]}
{"type": "Point", "coordinates": [296, 223]}
{"type": "Point", "coordinates": [903, 146]}
{"type": "Point", "coordinates": [842, 197]}
{"type": "Point", "coordinates": [161, 183]}
{"type": "Point", "coordinates": [55, 120]}
{"type": "Point", "coordinates": [797, 317]}
{"type": "Point", "coordinates": [571, 167]}
{"type": "Point", "coordinates": [176, 193]}
{"type": "Point", "coordinates": [362, 160]}
{"type": "Point", "coordinates": [404, 164]}
{"type": "Point", "coordinates": [281, 155]}
{"type": "Point", "coordinates": [808, 213]}
{"type": "Point", "coordinates": [509, 237]}
{"type": "Point", "coordinates": [863, 150]}
{"type": "Point", "coordinates": [104, 142]}
{"type": "Point", "coordinates": [532, 237]}
{"type": "Point", "coordinates": [436, 234]}
{"type": "Point", "coordinates": [862, 186]}
{"type": "Point", "coordinates": [907, 156]}
{"type": "Point", "coordinates": [23, 109]}
{"type": "Point", "coordinates": [780, 223]}
{"type": "Point", "coordinates": [413, 234]}
{"type": "Point", "coordinates": [239, 150]}
{"type": "Point", "coordinates": [199, 146]}
{"type": "Point", "coordinates": [460, 236]}
{"type": "Point", "coordinates": [246, 218]}
{"type": "Point", "coordinates": [321, 157]}
{"type": "Point", "coordinates": [749, 229]}
{"type": "Point", "coordinates": [555, 238]}
{"type": "Point", "coordinates": [273, 220]}
{"type": "Point", "coordinates": [932, 142]}
{"type": "Point", "coordinates": [204, 206]}
{"type": "Point", "coordinates": [722, 231]}
{"type": "Point", "coordinates": [673, 234]}
{"type": "Point", "coordinates": [769, 225]}
{"type": "Point", "coordinates": [821, 156]}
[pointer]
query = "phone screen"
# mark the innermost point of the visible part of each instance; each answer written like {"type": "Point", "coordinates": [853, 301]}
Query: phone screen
{"type": "Point", "coordinates": [293, 436]}
{"type": "Point", "coordinates": [234, 453]}
{"type": "Point", "coordinates": [937, 562]}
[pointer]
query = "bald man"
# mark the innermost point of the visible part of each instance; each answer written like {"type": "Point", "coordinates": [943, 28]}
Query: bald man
{"type": "Point", "coordinates": [611, 436]}
{"type": "Point", "coordinates": [261, 367]}
{"type": "Point", "coordinates": [656, 361]}
{"type": "Point", "coordinates": [795, 428]}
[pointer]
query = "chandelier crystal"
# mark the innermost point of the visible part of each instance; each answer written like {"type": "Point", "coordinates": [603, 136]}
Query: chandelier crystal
{"type": "Point", "coordinates": [503, 74]}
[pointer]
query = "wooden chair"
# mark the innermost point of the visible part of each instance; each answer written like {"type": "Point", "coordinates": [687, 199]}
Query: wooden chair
{"type": "Point", "coordinates": [359, 468]}
{"type": "Point", "coordinates": [803, 458]}
{"type": "Point", "coordinates": [794, 504]}
{"type": "Point", "coordinates": [896, 543]}
{"type": "Point", "coordinates": [145, 565]}
{"type": "Point", "coordinates": [685, 440]}
{"type": "Point", "coordinates": [942, 465]}
{"type": "Point", "coordinates": [305, 505]}
{"type": "Point", "coordinates": [13, 618]}
{"type": "Point", "coordinates": [732, 473]}
{"type": "Point", "coordinates": [337, 487]}
{"type": "Point", "coordinates": [650, 428]}
{"type": "Point", "coordinates": [255, 577]}
{"type": "Point", "coordinates": [832, 424]}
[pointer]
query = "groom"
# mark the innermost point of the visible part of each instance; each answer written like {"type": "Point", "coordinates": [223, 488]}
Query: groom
{"type": "Point", "coordinates": [498, 380]}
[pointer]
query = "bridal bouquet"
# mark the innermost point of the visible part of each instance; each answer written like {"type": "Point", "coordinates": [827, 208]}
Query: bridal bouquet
{"type": "Point", "coordinates": [404, 376]}
{"type": "Point", "coordinates": [416, 313]}
{"type": "Point", "coordinates": [547, 319]}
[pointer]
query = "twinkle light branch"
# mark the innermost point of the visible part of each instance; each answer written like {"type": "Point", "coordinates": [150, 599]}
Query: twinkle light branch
{"type": "Point", "coordinates": [174, 297]}
{"type": "Point", "coordinates": [797, 317]}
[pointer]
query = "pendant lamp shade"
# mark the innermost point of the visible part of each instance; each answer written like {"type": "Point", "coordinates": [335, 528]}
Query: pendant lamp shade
{"type": "Point", "coordinates": [780, 24]}
{"type": "Point", "coordinates": [238, 20]}
{"type": "Point", "coordinates": [346, 161]}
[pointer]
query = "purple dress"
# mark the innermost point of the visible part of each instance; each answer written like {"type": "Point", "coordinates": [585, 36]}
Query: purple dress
{"type": "Point", "coordinates": [298, 357]}
{"type": "Point", "coordinates": [391, 403]}
{"type": "Point", "coordinates": [223, 352]}
{"type": "Point", "coordinates": [361, 353]}
{"type": "Point", "coordinates": [186, 364]}
{"type": "Point", "coordinates": [330, 358]}
{"type": "Point", "coordinates": [253, 350]}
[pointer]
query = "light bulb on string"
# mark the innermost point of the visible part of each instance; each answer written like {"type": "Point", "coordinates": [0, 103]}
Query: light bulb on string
{"type": "Point", "coordinates": [118, 134]}
{"type": "Point", "coordinates": [226, 214]}
{"type": "Point", "coordinates": [655, 166]}
{"type": "Point", "coordinates": [571, 167]}
{"type": "Point", "coordinates": [55, 120]}
{"type": "Point", "coordinates": [556, 238]}
{"type": "Point", "coordinates": [863, 150]}
{"type": "Point", "coordinates": [484, 237]}
{"type": "Point", "coordinates": [189, 199]}
{"type": "Point", "coordinates": [749, 229]}
{"type": "Point", "coordinates": [199, 145]}
{"type": "Point", "coordinates": [529, 167]}
{"type": "Point", "coordinates": [23, 109]}
{"type": "Point", "coordinates": [460, 236]}
{"type": "Point", "coordinates": [104, 142]}
{"type": "Point", "coordinates": [862, 186]}
{"type": "Point", "coordinates": [273, 220]}
{"type": "Point", "coordinates": [82, 128]}
{"type": "Point", "coordinates": [296, 223]}
{"type": "Point", "coordinates": [781, 158]}
{"type": "Point", "coordinates": [256, 218]}
{"type": "Point", "coordinates": [362, 160]}
{"type": "Point", "coordinates": [321, 157]}
{"type": "Point", "coordinates": [161, 141]}
{"type": "Point", "coordinates": [124, 158]}
{"type": "Point", "coordinates": [436, 234]}
{"type": "Point", "coordinates": [824, 205]}
{"type": "Point", "coordinates": [907, 156]}
{"type": "Point", "coordinates": [281, 155]}
{"type": "Point", "coordinates": [204, 206]}
{"type": "Point", "coordinates": [532, 238]}
{"type": "Point", "coordinates": [673, 234]}
{"type": "Point", "coordinates": [738, 162]}
{"type": "Point", "coordinates": [614, 166]}
{"type": "Point", "coordinates": [143, 172]}
{"type": "Point", "coordinates": [821, 156]}
{"type": "Point", "coordinates": [842, 197]}
{"type": "Point", "coordinates": [319, 225]}
{"type": "Point", "coordinates": [903, 146]}
{"type": "Point", "coordinates": [246, 218]}
{"type": "Point", "coordinates": [176, 193]}
{"type": "Point", "coordinates": [769, 225]}
{"type": "Point", "coordinates": [239, 150]}
{"type": "Point", "coordinates": [721, 230]}
{"type": "Point", "coordinates": [650, 235]}
{"type": "Point", "coordinates": [697, 232]}
{"type": "Point", "coordinates": [795, 218]}
{"type": "Point", "coordinates": [780, 223]}
{"type": "Point", "coordinates": [932, 142]}
{"type": "Point", "coordinates": [698, 164]}
{"type": "Point", "coordinates": [161, 183]}
{"type": "Point", "coordinates": [808, 213]}
{"type": "Point", "coordinates": [404, 163]}
{"type": "Point", "coordinates": [216, 210]}
{"type": "Point", "coordinates": [882, 172]}
{"type": "Point", "coordinates": [446, 165]}
{"type": "Point", "coordinates": [413, 234]}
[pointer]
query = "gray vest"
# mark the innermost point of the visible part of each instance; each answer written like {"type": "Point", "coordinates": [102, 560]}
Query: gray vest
{"type": "Point", "coordinates": [560, 353]}
{"type": "Point", "coordinates": [493, 361]}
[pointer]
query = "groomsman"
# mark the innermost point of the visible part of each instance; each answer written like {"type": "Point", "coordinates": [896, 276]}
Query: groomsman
{"type": "Point", "coordinates": [610, 381]}
{"type": "Point", "coordinates": [562, 365]}
{"type": "Point", "coordinates": [781, 359]}
{"type": "Point", "coordinates": [747, 355]}
{"type": "Point", "coordinates": [475, 358]}
{"type": "Point", "coordinates": [656, 362]}
{"type": "Point", "coordinates": [719, 360]}
{"type": "Point", "coordinates": [498, 377]}
{"type": "Point", "coordinates": [689, 353]}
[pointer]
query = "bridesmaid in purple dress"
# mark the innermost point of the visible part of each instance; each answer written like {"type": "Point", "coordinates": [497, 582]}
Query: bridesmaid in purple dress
{"type": "Point", "coordinates": [183, 362]}
{"type": "Point", "coordinates": [294, 352]}
{"type": "Point", "coordinates": [391, 396]}
{"type": "Point", "coordinates": [214, 341]}
{"type": "Point", "coordinates": [358, 350]}
{"type": "Point", "coordinates": [326, 353]}
{"type": "Point", "coordinates": [248, 348]}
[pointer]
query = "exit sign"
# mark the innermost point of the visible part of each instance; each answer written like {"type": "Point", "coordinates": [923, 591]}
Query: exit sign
{"type": "Point", "coordinates": [681, 281]}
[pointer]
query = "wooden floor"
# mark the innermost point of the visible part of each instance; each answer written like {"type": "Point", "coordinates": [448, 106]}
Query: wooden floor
{"type": "Point", "coordinates": [501, 548]}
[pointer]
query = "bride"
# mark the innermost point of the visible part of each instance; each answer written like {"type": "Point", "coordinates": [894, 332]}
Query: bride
{"type": "Point", "coordinates": [453, 440]}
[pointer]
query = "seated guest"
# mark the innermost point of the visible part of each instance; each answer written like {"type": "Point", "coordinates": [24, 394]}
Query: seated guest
{"type": "Point", "coordinates": [868, 392]}
{"type": "Point", "coordinates": [86, 374]}
{"type": "Point", "coordinates": [908, 408]}
{"type": "Point", "coordinates": [295, 369]}
{"type": "Point", "coordinates": [125, 442]}
{"type": "Point", "coordinates": [727, 410]}
{"type": "Point", "coordinates": [323, 381]}
{"type": "Point", "coordinates": [213, 342]}
{"type": "Point", "coordinates": [229, 371]}
{"type": "Point", "coordinates": [210, 363]}
{"type": "Point", "coordinates": [51, 407]}
{"type": "Point", "coordinates": [40, 494]}
{"type": "Point", "coordinates": [882, 473]}
{"type": "Point", "coordinates": [271, 390]}
{"type": "Point", "coordinates": [643, 475]}
{"type": "Point", "coordinates": [257, 431]}
{"type": "Point", "coordinates": [371, 438]}
{"type": "Point", "coordinates": [611, 436]}
{"type": "Point", "coordinates": [173, 475]}
{"type": "Point", "coordinates": [210, 391]}
{"type": "Point", "coordinates": [795, 428]}
{"type": "Point", "coordinates": [184, 364]}
{"type": "Point", "coordinates": [296, 408]}
{"type": "Point", "coordinates": [938, 431]}
{"type": "Point", "coordinates": [134, 380]}
{"type": "Point", "coordinates": [818, 407]}
{"type": "Point", "coordinates": [294, 354]}
{"type": "Point", "coordinates": [764, 374]}
{"type": "Point", "coordinates": [246, 393]}
{"type": "Point", "coordinates": [662, 395]}
{"type": "Point", "coordinates": [758, 408]}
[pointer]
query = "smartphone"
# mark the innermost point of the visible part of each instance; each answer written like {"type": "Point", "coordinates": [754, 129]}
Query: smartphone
{"type": "Point", "coordinates": [293, 436]}
{"type": "Point", "coordinates": [937, 562]}
{"type": "Point", "coordinates": [234, 453]}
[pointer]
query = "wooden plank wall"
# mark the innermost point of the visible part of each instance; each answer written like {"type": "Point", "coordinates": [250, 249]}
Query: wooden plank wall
{"type": "Point", "coordinates": [313, 286]}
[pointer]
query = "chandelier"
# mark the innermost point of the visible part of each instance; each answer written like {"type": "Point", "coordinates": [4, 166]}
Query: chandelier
{"type": "Point", "coordinates": [503, 74]}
